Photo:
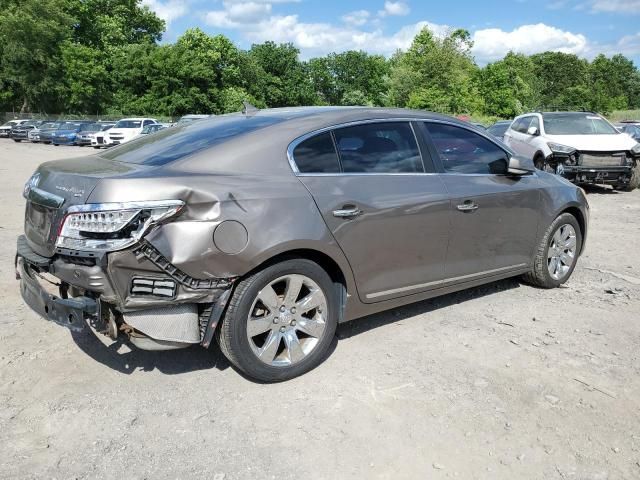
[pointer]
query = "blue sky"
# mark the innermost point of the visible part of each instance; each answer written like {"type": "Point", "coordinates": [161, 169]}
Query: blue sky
{"type": "Point", "coordinates": [583, 27]}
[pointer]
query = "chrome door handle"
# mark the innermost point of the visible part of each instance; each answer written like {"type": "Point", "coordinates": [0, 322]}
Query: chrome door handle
{"type": "Point", "coordinates": [467, 207]}
{"type": "Point", "coordinates": [347, 213]}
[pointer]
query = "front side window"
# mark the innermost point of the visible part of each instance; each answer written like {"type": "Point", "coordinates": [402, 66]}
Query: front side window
{"type": "Point", "coordinates": [317, 155]}
{"type": "Point", "coordinates": [464, 151]}
{"type": "Point", "coordinates": [386, 147]}
{"type": "Point", "coordinates": [535, 123]}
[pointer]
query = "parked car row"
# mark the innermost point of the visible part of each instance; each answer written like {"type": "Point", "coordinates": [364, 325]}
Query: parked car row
{"type": "Point", "coordinates": [581, 146]}
{"type": "Point", "coordinates": [85, 132]}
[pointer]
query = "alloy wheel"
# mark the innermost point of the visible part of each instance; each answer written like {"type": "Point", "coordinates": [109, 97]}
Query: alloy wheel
{"type": "Point", "coordinates": [562, 252]}
{"type": "Point", "coordinates": [287, 320]}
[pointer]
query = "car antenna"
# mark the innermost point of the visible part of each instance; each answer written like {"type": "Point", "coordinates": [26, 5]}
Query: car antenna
{"type": "Point", "coordinates": [248, 109]}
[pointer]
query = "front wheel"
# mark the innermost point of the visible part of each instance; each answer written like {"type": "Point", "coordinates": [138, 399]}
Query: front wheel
{"type": "Point", "coordinates": [634, 182]}
{"type": "Point", "coordinates": [280, 321]}
{"type": "Point", "coordinates": [16, 140]}
{"type": "Point", "coordinates": [557, 253]}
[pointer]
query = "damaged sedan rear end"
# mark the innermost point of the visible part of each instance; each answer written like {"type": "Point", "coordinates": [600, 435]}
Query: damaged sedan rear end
{"type": "Point", "coordinates": [268, 228]}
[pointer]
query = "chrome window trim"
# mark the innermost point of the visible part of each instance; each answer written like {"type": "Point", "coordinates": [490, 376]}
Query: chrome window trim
{"type": "Point", "coordinates": [297, 141]}
{"type": "Point", "coordinates": [444, 281]}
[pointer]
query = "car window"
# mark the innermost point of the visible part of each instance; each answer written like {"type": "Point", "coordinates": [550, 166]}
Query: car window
{"type": "Point", "coordinates": [147, 122]}
{"type": "Point", "coordinates": [517, 125]}
{"type": "Point", "coordinates": [317, 155]}
{"type": "Point", "coordinates": [386, 147]}
{"type": "Point", "coordinates": [464, 151]}
{"type": "Point", "coordinates": [534, 123]}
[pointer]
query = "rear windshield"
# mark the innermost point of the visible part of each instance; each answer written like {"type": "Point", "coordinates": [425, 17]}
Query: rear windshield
{"type": "Point", "coordinates": [577, 124]}
{"type": "Point", "coordinates": [170, 144]}
{"type": "Point", "coordinates": [128, 124]}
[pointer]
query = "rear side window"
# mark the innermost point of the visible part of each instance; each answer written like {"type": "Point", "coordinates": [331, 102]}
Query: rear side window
{"type": "Point", "coordinates": [464, 151]}
{"type": "Point", "coordinates": [387, 147]}
{"type": "Point", "coordinates": [317, 155]}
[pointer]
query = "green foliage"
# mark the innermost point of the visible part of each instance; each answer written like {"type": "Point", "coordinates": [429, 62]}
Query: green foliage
{"type": "Point", "coordinates": [350, 78]}
{"type": "Point", "coordinates": [103, 57]}
{"type": "Point", "coordinates": [435, 73]}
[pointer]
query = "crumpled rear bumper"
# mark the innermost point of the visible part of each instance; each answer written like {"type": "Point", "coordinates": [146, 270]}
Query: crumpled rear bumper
{"type": "Point", "coordinates": [68, 312]}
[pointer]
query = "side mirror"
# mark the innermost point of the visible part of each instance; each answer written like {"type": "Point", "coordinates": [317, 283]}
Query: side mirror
{"type": "Point", "coordinates": [520, 165]}
{"type": "Point", "coordinates": [533, 131]}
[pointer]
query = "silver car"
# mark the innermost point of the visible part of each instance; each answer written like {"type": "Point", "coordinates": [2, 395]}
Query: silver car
{"type": "Point", "coordinates": [267, 229]}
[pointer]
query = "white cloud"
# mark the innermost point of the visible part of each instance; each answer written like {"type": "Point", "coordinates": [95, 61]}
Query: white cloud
{"type": "Point", "coordinates": [357, 18]}
{"type": "Point", "coordinates": [239, 13]}
{"type": "Point", "coordinates": [168, 10]}
{"type": "Point", "coordinates": [493, 43]}
{"type": "Point", "coordinates": [321, 38]}
{"type": "Point", "coordinates": [616, 6]}
{"type": "Point", "coordinates": [394, 8]}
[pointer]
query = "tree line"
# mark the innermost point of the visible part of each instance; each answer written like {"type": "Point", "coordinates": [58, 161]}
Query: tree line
{"type": "Point", "coordinates": [105, 57]}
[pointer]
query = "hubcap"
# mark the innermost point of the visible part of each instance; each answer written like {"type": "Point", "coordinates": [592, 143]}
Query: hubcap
{"type": "Point", "coordinates": [562, 252]}
{"type": "Point", "coordinates": [286, 320]}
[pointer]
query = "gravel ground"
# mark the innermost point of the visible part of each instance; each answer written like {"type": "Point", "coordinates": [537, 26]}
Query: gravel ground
{"type": "Point", "coordinates": [499, 382]}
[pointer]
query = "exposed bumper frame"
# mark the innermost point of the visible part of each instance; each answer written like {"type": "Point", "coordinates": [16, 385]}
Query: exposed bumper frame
{"type": "Point", "coordinates": [68, 312]}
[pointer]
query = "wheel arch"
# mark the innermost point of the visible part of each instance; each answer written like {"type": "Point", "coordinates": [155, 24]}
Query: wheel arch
{"type": "Point", "coordinates": [339, 275]}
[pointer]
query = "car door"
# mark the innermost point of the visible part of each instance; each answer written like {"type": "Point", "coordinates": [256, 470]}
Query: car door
{"type": "Point", "coordinates": [494, 216]}
{"type": "Point", "coordinates": [389, 215]}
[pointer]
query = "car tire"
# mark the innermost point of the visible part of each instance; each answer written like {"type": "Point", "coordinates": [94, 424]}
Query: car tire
{"type": "Point", "coordinates": [550, 248]}
{"type": "Point", "coordinates": [634, 182]}
{"type": "Point", "coordinates": [282, 354]}
{"type": "Point", "coordinates": [538, 161]}
{"type": "Point", "coordinates": [16, 140]}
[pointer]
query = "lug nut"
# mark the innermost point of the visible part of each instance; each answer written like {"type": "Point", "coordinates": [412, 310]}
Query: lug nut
{"type": "Point", "coordinates": [293, 309]}
{"type": "Point", "coordinates": [293, 323]}
{"type": "Point", "coordinates": [282, 309]}
{"type": "Point", "coordinates": [282, 329]}
{"type": "Point", "coordinates": [275, 320]}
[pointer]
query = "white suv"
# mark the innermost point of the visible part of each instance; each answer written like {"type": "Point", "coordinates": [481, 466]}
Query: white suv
{"type": "Point", "coordinates": [581, 146]}
{"type": "Point", "coordinates": [126, 129]}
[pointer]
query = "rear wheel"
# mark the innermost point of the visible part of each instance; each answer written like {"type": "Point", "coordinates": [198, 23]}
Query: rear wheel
{"type": "Point", "coordinates": [16, 140]}
{"type": "Point", "coordinates": [280, 321]}
{"type": "Point", "coordinates": [557, 253]}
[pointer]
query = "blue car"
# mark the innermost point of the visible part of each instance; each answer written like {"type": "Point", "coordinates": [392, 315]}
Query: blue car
{"type": "Point", "coordinates": [67, 133]}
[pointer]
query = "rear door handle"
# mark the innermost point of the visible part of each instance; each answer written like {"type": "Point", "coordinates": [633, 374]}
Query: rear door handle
{"type": "Point", "coordinates": [347, 213]}
{"type": "Point", "coordinates": [468, 207]}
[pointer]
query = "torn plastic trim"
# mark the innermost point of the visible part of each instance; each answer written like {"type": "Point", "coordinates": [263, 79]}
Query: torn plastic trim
{"type": "Point", "coordinates": [148, 251]}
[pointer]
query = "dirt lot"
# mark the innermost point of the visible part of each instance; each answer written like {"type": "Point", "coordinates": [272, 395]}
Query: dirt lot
{"type": "Point", "coordinates": [499, 382]}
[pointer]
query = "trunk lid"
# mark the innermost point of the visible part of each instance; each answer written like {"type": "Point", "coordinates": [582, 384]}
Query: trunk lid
{"type": "Point", "coordinates": [61, 184]}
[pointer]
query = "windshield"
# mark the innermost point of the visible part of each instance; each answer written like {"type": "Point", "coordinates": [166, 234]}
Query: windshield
{"type": "Point", "coordinates": [90, 127]}
{"type": "Point", "coordinates": [576, 124]}
{"type": "Point", "coordinates": [170, 144]}
{"type": "Point", "coordinates": [47, 125]}
{"type": "Point", "coordinates": [128, 124]}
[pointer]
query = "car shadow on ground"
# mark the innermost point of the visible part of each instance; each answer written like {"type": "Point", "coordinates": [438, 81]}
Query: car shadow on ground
{"type": "Point", "coordinates": [600, 190]}
{"type": "Point", "coordinates": [122, 357]}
